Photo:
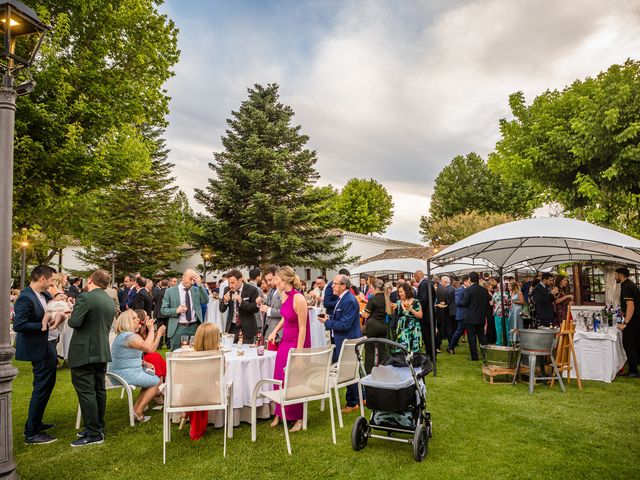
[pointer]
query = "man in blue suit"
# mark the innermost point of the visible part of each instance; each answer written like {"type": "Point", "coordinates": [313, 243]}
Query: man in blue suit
{"type": "Point", "coordinates": [344, 324]}
{"type": "Point", "coordinates": [330, 298]}
{"type": "Point", "coordinates": [32, 345]}
{"type": "Point", "coordinates": [461, 314]}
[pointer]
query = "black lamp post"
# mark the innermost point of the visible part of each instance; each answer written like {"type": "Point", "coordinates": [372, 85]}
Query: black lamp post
{"type": "Point", "coordinates": [22, 33]}
{"type": "Point", "coordinates": [23, 263]}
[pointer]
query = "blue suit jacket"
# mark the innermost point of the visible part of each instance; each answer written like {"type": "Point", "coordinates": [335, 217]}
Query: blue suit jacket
{"type": "Point", "coordinates": [31, 341]}
{"type": "Point", "coordinates": [330, 299]}
{"type": "Point", "coordinates": [345, 322]}
{"type": "Point", "coordinates": [461, 312]}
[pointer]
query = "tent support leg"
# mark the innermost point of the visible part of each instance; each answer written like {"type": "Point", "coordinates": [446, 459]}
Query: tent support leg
{"type": "Point", "coordinates": [431, 323]}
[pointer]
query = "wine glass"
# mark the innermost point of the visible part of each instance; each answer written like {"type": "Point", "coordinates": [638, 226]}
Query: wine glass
{"type": "Point", "coordinates": [184, 341]}
{"type": "Point", "coordinates": [192, 340]}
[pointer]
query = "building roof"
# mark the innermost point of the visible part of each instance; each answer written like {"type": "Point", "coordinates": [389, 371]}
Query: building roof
{"type": "Point", "coordinates": [422, 253]}
{"type": "Point", "coordinates": [342, 233]}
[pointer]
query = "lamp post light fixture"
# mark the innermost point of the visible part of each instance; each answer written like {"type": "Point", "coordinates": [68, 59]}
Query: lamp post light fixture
{"type": "Point", "coordinates": [23, 263]}
{"type": "Point", "coordinates": [21, 35]}
{"type": "Point", "coordinates": [205, 257]}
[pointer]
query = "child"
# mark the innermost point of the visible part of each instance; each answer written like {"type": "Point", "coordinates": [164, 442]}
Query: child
{"type": "Point", "coordinates": [58, 310]}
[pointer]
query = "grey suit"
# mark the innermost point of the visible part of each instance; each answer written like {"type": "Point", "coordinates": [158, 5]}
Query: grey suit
{"type": "Point", "coordinates": [274, 300]}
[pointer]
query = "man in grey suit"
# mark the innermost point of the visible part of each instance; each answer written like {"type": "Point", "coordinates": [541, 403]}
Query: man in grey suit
{"type": "Point", "coordinates": [182, 304]}
{"type": "Point", "coordinates": [271, 309]}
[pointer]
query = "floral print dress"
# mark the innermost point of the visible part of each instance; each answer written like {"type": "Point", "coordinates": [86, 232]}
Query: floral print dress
{"type": "Point", "coordinates": [409, 332]}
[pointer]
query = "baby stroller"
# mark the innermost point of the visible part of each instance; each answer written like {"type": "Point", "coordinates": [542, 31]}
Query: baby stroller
{"type": "Point", "coordinates": [396, 394]}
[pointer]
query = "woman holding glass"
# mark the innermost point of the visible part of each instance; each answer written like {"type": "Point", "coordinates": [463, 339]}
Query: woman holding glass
{"type": "Point", "coordinates": [409, 314]}
{"type": "Point", "coordinates": [126, 358]}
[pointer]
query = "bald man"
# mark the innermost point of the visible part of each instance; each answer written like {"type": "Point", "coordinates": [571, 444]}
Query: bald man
{"type": "Point", "coordinates": [182, 304]}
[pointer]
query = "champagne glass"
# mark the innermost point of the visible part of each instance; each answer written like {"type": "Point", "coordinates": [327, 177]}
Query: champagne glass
{"type": "Point", "coordinates": [184, 341]}
{"type": "Point", "coordinates": [192, 340]}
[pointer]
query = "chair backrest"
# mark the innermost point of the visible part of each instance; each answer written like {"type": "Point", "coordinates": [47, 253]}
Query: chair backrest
{"type": "Point", "coordinates": [307, 373]}
{"type": "Point", "coordinates": [348, 365]}
{"type": "Point", "coordinates": [195, 379]}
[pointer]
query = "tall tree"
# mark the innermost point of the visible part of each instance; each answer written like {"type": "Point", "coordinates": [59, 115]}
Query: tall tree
{"type": "Point", "coordinates": [466, 185]}
{"type": "Point", "coordinates": [364, 206]}
{"type": "Point", "coordinates": [99, 94]}
{"type": "Point", "coordinates": [449, 230]}
{"type": "Point", "coordinates": [580, 147]}
{"type": "Point", "coordinates": [261, 203]}
{"type": "Point", "coordinates": [142, 224]}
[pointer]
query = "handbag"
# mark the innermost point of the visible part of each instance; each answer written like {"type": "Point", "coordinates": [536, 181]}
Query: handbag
{"type": "Point", "coordinates": [272, 346]}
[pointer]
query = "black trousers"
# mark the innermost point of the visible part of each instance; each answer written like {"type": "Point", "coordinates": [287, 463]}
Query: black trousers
{"type": "Point", "coordinates": [492, 335]}
{"type": "Point", "coordinates": [88, 380]}
{"type": "Point", "coordinates": [441, 322]}
{"type": "Point", "coordinates": [375, 328]}
{"type": "Point", "coordinates": [427, 338]}
{"type": "Point", "coordinates": [631, 344]}
{"type": "Point", "coordinates": [450, 327]}
{"type": "Point", "coordinates": [44, 379]}
{"type": "Point", "coordinates": [234, 330]}
{"type": "Point", "coordinates": [475, 331]}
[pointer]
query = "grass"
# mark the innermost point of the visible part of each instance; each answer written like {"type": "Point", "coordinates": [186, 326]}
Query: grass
{"type": "Point", "coordinates": [480, 431]}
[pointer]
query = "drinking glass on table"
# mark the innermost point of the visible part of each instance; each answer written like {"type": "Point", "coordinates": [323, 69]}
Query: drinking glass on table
{"type": "Point", "coordinates": [184, 341]}
{"type": "Point", "coordinates": [192, 340]}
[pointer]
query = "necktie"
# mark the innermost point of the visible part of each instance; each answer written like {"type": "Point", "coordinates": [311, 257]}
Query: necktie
{"type": "Point", "coordinates": [187, 302]}
{"type": "Point", "coordinates": [237, 311]}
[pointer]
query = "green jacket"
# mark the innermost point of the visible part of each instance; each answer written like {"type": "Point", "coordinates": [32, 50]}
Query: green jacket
{"type": "Point", "coordinates": [171, 302]}
{"type": "Point", "coordinates": [91, 322]}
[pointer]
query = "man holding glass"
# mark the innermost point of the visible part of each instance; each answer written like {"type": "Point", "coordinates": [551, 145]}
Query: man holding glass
{"type": "Point", "coordinates": [182, 304]}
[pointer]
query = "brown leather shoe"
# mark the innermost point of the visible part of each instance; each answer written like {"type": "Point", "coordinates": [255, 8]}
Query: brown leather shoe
{"type": "Point", "coordinates": [348, 409]}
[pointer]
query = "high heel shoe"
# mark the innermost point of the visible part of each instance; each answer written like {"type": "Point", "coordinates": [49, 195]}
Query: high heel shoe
{"type": "Point", "coordinates": [142, 418]}
{"type": "Point", "coordinates": [276, 422]}
{"type": "Point", "coordinates": [296, 426]}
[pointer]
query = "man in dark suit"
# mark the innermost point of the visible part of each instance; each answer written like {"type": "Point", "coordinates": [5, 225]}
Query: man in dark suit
{"type": "Point", "coordinates": [331, 299]}
{"type": "Point", "coordinates": [476, 299]}
{"type": "Point", "coordinates": [142, 299]}
{"type": "Point", "coordinates": [123, 294]}
{"type": "Point", "coordinates": [344, 324]}
{"type": "Point", "coordinates": [182, 304]}
{"type": "Point", "coordinates": [544, 296]}
{"type": "Point", "coordinates": [239, 300]}
{"type": "Point", "coordinates": [424, 285]}
{"type": "Point", "coordinates": [75, 287]}
{"type": "Point", "coordinates": [271, 307]}
{"type": "Point", "coordinates": [89, 354]}
{"type": "Point", "coordinates": [32, 345]}
{"type": "Point", "coordinates": [158, 295]}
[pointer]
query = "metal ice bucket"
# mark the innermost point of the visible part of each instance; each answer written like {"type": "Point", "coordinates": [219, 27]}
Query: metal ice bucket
{"type": "Point", "coordinates": [499, 356]}
{"type": "Point", "coordinates": [537, 342]}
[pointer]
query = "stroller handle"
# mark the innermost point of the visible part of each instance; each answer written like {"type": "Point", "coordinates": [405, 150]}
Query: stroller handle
{"type": "Point", "coordinates": [383, 340]}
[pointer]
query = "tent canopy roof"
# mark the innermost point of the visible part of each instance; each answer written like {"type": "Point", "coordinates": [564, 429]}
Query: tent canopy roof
{"type": "Point", "coordinates": [392, 265]}
{"type": "Point", "coordinates": [543, 242]}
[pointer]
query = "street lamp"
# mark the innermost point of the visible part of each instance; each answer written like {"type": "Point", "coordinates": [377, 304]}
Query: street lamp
{"type": "Point", "coordinates": [21, 35]}
{"type": "Point", "coordinates": [23, 263]}
{"type": "Point", "coordinates": [205, 257]}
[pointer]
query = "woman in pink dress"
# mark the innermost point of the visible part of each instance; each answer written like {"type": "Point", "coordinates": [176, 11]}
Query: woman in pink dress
{"type": "Point", "coordinates": [295, 334]}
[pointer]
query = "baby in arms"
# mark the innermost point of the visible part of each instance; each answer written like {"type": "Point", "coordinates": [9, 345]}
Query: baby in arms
{"type": "Point", "coordinates": [56, 312]}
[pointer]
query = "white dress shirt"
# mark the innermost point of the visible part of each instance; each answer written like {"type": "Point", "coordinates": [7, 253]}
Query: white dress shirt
{"type": "Point", "coordinates": [183, 301]}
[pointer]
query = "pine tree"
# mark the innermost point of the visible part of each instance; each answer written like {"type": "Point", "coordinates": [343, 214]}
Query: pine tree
{"type": "Point", "coordinates": [262, 206]}
{"type": "Point", "coordinates": [144, 224]}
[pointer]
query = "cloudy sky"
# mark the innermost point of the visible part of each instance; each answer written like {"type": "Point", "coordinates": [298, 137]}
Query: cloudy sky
{"type": "Point", "coordinates": [390, 90]}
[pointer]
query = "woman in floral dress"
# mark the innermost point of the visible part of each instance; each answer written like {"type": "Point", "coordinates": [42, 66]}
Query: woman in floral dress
{"type": "Point", "coordinates": [409, 333]}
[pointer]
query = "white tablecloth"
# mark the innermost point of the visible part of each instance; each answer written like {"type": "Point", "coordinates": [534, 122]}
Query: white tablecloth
{"type": "Point", "coordinates": [600, 355]}
{"type": "Point", "coordinates": [318, 332]}
{"type": "Point", "coordinates": [214, 315]}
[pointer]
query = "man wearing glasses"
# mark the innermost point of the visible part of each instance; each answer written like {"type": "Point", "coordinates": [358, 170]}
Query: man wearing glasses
{"type": "Point", "coordinates": [344, 324]}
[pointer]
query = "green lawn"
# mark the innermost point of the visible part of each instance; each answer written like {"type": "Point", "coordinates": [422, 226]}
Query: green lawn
{"type": "Point", "coordinates": [480, 431]}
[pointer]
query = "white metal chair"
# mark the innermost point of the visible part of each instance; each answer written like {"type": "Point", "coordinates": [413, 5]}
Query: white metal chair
{"type": "Point", "coordinates": [113, 382]}
{"type": "Point", "coordinates": [195, 382]}
{"type": "Point", "coordinates": [346, 372]}
{"type": "Point", "coordinates": [306, 379]}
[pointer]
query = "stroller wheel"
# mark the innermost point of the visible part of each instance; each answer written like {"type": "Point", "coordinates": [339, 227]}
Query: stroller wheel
{"type": "Point", "coordinates": [360, 434]}
{"type": "Point", "coordinates": [420, 443]}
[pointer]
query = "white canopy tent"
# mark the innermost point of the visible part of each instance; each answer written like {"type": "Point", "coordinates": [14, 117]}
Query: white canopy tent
{"type": "Point", "coordinates": [543, 242]}
{"type": "Point", "coordinates": [540, 243]}
{"type": "Point", "coordinates": [392, 265]}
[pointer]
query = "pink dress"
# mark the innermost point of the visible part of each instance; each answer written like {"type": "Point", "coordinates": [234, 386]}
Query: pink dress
{"type": "Point", "coordinates": [289, 340]}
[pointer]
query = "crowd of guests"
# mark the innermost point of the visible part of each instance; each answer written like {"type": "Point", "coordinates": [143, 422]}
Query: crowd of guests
{"type": "Point", "coordinates": [271, 304]}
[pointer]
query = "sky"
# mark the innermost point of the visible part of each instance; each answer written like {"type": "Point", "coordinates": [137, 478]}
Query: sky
{"type": "Point", "coordinates": [390, 90]}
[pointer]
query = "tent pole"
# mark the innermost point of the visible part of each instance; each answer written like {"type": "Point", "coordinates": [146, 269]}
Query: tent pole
{"type": "Point", "coordinates": [431, 323]}
{"type": "Point", "coordinates": [502, 319]}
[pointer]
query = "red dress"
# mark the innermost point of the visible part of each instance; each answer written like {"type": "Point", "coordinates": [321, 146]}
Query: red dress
{"type": "Point", "coordinates": [158, 362]}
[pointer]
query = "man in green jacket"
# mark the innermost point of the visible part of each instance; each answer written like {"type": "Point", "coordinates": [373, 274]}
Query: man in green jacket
{"type": "Point", "coordinates": [182, 304]}
{"type": "Point", "coordinates": [89, 354]}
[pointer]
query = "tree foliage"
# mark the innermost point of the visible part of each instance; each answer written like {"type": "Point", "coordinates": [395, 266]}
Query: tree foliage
{"type": "Point", "coordinates": [262, 205]}
{"type": "Point", "coordinates": [364, 206]}
{"type": "Point", "coordinates": [449, 230]}
{"type": "Point", "coordinates": [466, 185]}
{"type": "Point", "coordinates": [96, 112]}
{"type": "Point", "coordinates": [142, 224]}
{"type": "Point", "coordinates": [580, 147]}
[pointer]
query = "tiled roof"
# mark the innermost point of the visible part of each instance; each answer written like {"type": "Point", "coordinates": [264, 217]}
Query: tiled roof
{"type": "Point", "coordinates": [422, 253]}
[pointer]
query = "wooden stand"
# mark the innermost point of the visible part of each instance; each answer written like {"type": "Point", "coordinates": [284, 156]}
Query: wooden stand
{"type": "Point", "coordinates": [492, 371]}
{"type": "Point", "coordinates": [565, 350]}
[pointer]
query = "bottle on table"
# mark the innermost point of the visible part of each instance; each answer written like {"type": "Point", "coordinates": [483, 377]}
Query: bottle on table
{"type": "Point", "coordinates": [259, 344]}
